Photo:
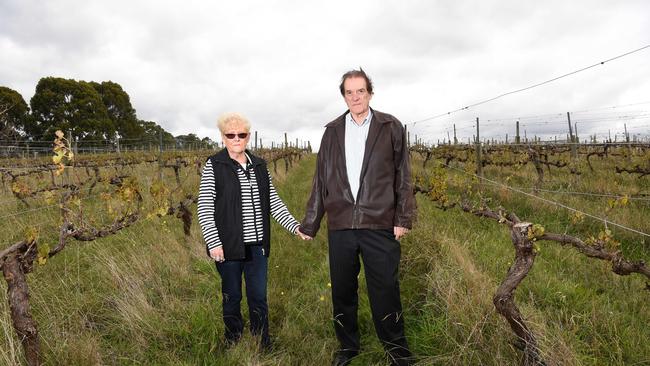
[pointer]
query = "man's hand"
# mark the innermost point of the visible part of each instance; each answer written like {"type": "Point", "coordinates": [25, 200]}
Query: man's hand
{"type": "Point", "coordinates": [302, 235]}
{"type": "Point", "coordinates": [399, 231]}
{"type": "Point", "coordinates": [217, 254]}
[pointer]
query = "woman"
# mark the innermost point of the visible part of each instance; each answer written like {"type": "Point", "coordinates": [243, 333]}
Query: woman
{"type": "Point", "coordinates": [236, 198]}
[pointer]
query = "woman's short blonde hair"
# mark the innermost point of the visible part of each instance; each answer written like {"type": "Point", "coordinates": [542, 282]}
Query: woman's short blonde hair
{"type": "Point", "coordinates": [227, 119]}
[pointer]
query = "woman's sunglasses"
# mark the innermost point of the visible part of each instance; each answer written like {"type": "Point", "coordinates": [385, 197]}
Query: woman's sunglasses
{"type": "Point", "coordinates": [241, 135]}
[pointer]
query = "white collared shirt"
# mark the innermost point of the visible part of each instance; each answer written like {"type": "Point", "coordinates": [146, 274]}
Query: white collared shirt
{"type": "Point", "coordinates": [355, 148]}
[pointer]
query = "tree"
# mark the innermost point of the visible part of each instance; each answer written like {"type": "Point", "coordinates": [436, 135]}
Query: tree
{"type": "Point", "coordinates": [70, 105]}
{"type": "Point", "coordinates": [152, 133]}
{"type": "Point", "coordinates": [14, 115]}
{"type": "Point", "coordinates": [120, 110]}
{"type": "Point", "coordinates": [193, 141]}
{"type": "Point", "coordinates": [207, 143]}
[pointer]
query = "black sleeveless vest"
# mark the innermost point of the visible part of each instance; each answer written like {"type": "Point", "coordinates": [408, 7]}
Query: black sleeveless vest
{"type": "Point", "coordinates": [228, 204]}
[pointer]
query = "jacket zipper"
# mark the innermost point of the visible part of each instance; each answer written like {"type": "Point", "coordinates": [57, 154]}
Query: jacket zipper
{"type": "Point", "coordinates": [355, 215]}
{"type": "Point", "coordinates": [355, 208]}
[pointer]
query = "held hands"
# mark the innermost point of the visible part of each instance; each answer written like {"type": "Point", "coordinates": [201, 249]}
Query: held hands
{"type": "Point", "coordinates": [302, 235]}
{"type": "Point", "coordinates": [217, 254]}
{"type": "Point", "coordinates": [399, 232]}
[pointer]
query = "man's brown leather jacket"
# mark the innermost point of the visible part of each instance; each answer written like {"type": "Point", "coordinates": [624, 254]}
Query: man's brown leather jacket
{"type": "Point", "coordinates": [385, 198]}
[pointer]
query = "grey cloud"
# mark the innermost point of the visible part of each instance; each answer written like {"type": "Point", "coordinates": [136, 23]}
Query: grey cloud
{"type": "Point", "coordinates": [184, 63]}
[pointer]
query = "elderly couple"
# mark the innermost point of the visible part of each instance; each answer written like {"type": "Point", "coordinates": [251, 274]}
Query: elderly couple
{"type": "Point", "coordinates": [362, 182]}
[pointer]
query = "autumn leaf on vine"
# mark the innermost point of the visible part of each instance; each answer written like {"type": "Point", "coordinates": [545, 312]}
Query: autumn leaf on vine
{"type": "Point", "coordinates": [31, 234]}
{"type": "Point", "coordinates": [43, 253]}
{"type": "Point", "coordinates": [577, 217]}
{"type": "Point", "coordinates": [20, 189]}
{"type": "Point", "coordinates": [625, 200]}
{"type": "Point", "coordinates": [611, 203]}
{"type": "Point", "coordinates": [535, 231]}
{"type": "Point", "coordinates": [49, 197]}
{"type": "Point", "coordinates": [57, 158]}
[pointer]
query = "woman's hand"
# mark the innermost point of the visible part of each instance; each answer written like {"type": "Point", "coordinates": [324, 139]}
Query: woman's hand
{"type": "Point", "coordinates": [217, 254]}
{"type": "Point", "coordinates": [302, 235]}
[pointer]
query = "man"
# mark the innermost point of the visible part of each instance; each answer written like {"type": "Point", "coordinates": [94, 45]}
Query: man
{"type": "Point", "coordinates": [363, 183]}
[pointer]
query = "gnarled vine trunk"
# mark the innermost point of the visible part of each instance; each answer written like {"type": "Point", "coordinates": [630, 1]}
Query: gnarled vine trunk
{"type": "Point", "coordinates": [504, 297]}
{"type": "Point", "coordinates": [18, 298]}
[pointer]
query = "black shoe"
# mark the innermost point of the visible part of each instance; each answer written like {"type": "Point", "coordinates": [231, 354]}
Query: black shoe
{"type": "Point", "coordinates": [267, 345]}
{"type": "Point", "coordinates": [400, 362]}
{"type": "Point", "coordinates": [343, 358]}
{"type": "Point", "coordinates": [230, 343]}
{"type": "Point", "coordinates": [396, 360]}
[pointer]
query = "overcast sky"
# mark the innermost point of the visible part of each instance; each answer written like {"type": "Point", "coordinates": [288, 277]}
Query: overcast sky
{"type": "Point", "coordinates": [279, 62]}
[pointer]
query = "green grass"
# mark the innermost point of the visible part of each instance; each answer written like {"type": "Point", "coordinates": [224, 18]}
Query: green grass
{"type": "Point", "coordinates": [149, 296]}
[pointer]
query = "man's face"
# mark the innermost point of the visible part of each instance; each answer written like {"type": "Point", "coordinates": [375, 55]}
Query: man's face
{"type": "Point", "coordinates": [235, 144]}
{"type": "Point", "coordinates": [356, 95]}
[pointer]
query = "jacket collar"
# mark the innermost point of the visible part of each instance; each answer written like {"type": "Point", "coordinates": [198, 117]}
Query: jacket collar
{"type": "Point", "coordinates": [223, 157]}
{"type": "Point", "coordinates": [376, 116]}
{"type": "Point", "coordinates": [378, 119]}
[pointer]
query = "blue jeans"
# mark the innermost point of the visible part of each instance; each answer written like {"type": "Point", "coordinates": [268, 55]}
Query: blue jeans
{"type": "Point", "coordinates": [254, 268]}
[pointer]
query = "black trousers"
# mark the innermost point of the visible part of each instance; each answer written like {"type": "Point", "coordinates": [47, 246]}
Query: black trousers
{"type": "Point", "coordinates": [380, 253]}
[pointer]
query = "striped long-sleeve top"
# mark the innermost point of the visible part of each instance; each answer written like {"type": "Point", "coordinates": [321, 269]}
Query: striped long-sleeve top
{"type": "Point", "coordinates": [251, 207]}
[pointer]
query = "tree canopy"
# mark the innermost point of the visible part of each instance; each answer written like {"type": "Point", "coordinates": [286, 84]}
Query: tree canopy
{"type": "Point", "coordinates": [93, 112]}
{"type": "Point", "coordinates": [70, 105]}
{"type": "Point", "coordinates": [14, 115]}
{"type": "Point", "coordinates": [119, 109]}
{"type": "Point", "coordinates": [151, 133]}
{"type": "Point", "coordinates": [193, 141]}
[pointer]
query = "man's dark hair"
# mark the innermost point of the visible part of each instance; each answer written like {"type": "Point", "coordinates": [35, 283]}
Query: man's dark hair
{"type": "Point", "coordinates": [356, 74]}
